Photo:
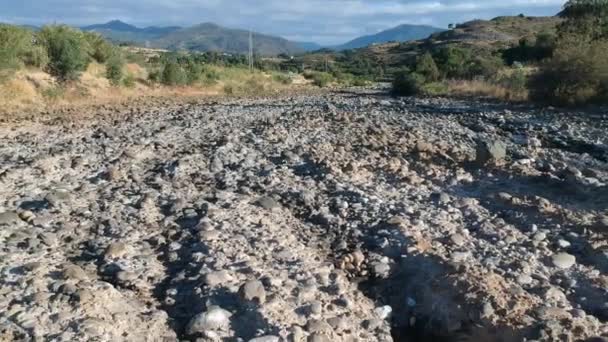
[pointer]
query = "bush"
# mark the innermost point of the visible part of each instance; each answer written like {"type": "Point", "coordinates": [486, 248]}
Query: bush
{"type": "Point", "coordinates": [53, 93]}
{"type": "Point", "coordinates": [194, 72]}
{"type": "Point", "coordinates": [282, 78]}
{"type": "Point", "coordinates": [36, 57]}
{"type": "Point", "coordinates": [577, 74]}
{"type": "Point", "coordinates": [173, 74]}
{"type": "Point", "coordinates": [210, 76]}
{"type": "Point", "coordinates": [515, 81]}
{"type": "Point", "coordinates": [453, 62]}
{"type": "Point", "coordinates": [99, 48]}
{"type": "Point", "coordinates": [67, 49]}
{"type": "Point", "coordinates": [321, 79]}
{"type": "Point", "coordinates": [435, 88]}
{"type": "Point", "coordinates": [407, 83]}
{"type": "Point", "coordinates": [486, 67]}
{"type": "Point", "coordinates": [114, 69]}
{"type": "Point", "coordinates": [16, 44]}
{"type": "Point", "coordinates": [426, 66]}
{"type": "Point", "coordinates": [129, 81]}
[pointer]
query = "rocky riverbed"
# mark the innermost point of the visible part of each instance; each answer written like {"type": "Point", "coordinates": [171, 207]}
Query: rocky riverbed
{"type": "Point", "coordinates": [346, 216]}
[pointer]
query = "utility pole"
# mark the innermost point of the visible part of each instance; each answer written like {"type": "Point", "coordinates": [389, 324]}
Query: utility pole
{"type": "Point", "coordinates": [250, 51]}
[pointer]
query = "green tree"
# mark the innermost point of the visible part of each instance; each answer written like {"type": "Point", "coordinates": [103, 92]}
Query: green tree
{"type": "Point", "coordinates": [426, 66]}
{"type": "Point", "coordinates": [67, 49]}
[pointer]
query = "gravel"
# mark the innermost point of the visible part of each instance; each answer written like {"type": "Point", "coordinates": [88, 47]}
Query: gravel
{"type": "Point", "coordinates": [326, 217]}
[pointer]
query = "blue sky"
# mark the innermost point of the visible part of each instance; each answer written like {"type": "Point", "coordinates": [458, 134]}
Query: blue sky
{"type": "Point", "coordinates": [321, 21]}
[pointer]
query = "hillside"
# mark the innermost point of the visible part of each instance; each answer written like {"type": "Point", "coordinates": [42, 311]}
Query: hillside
{"type": "Point", "coordinates": [484, 37]}
{"type": "Point", "coordinates": [401, 33]}
{"type": "Point", "coordinates": [119, 31]}
{"type": "Point", "coordinates": [212, 37]}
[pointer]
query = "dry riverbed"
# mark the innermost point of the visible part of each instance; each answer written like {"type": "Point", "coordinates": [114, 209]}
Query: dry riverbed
{"type": "Point", "coordinates": [323, 217]}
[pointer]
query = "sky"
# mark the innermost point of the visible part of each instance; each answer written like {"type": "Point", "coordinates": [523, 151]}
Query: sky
{"type": "Point", "coordinates": [320, 21]}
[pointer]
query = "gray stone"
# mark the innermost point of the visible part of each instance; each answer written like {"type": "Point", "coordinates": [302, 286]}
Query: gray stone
{"type": "Point", "coordinates": [253, 290]}
{"type": "Point", "coordinates": [116, 250]}
{"type": "Point", "coordinates": [458, 239]}
{"type": "Point", "coordinates": [268, 338]}
{"type": "Point", "coordinates": [563, 260]}
{"type": "Point", "coordinates": [491, 151]}
{"type": "Point", "coordinates": [217, 278]}
{"type": "Point", "coordinates": [9, 218]}
{"type": "Point", "coordinates": [215, 318]}
{"type": "Point", "coordinates": [74, 272]}
{"type": "Point", "coordinates": [268, 202]}
{"type": "Point", "coordinates": [381, 269]}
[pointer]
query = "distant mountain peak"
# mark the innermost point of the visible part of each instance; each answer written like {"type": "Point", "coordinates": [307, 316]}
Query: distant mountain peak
{"type": "Point", "coordinates": [115, 25]}
{"type": "Point", "coordinates": [401, 33]}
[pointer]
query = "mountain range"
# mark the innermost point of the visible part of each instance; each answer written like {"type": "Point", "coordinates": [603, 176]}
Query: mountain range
{"type": "Point", "coordinates": [212, 37]}
{"type": "Point", "coordinates": [401, 33]}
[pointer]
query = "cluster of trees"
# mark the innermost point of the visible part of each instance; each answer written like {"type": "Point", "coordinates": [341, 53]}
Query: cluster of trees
{"type": "Point", "coordinates": [61, 50]}
{"type": "Point", "coordinates": [572, 64]}
{"type": "Point", "coordinates": [577, 72]}
{"type": "Point", "coordinates": [66, 52]}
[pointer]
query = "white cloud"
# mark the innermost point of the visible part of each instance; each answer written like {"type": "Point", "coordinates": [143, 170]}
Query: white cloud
{"type": "Point", "coordinates": [325, 21]}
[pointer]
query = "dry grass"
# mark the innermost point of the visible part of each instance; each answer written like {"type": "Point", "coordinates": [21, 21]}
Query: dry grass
{"type": "Point", "coordinates": [34, 90]}
{"type": "Point", "coordinates": [479, 88]}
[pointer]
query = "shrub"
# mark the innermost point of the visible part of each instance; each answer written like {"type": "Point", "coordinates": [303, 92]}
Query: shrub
{"type": "Point", "coordinates": [99, 48]}
{"type": "Point", "coordinates": [210, 76]}
{"type": "Point", "coordinates": [15, 44]}
{"type": "Point", "coordinates": [484, 66]}
{"type": "Point", "coordinates": [114, 69]}
{"type": "Point", "coordinates": [435, 88]}
{"type": "Point", "coordinates": [426, 66]}
{"type": "Point", "coordinates": [53, 93]}
{"type": "Point", "coordinates": [577, 74]}
{"type": "Point", "coordinates": [515, 81]}
{"type": "Point", "coordinates": [155, 75]}
{"type": "Point", "coordinates": [173, 74]}
{"type": "Point", "coordinates": [67, 49]}
{"type": "Point", "coordinates": [321, 79]}
{"type": "Point", "coordinates": [194, 72]}
{"type": "Point", "coordinates": [407, 83]}
{"type": "Point", "coordinates": [282, 78]}
{"type": "Point", "coordinates": [36, 57]}
{"type": "Point", "coordinates": [129, 81]}
{"type": "Point", "coordinates": [453, 61]}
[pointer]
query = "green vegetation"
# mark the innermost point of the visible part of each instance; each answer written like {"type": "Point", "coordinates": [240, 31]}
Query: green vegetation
{"type": "Point", "coordinates": [407, 83]}
{"type": "Point", "coordinates": [114, 69]}
{"type": "Point", "coordinates": [17, 49]}
{"type": "Point", "coordinates": [173, 74]}
{"type": "Point", "coordinates": [577, 73]}
{"type": "Point", "coordinates": [427, 67]}
{"type": "Point", "coordinates": [67, 49]}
